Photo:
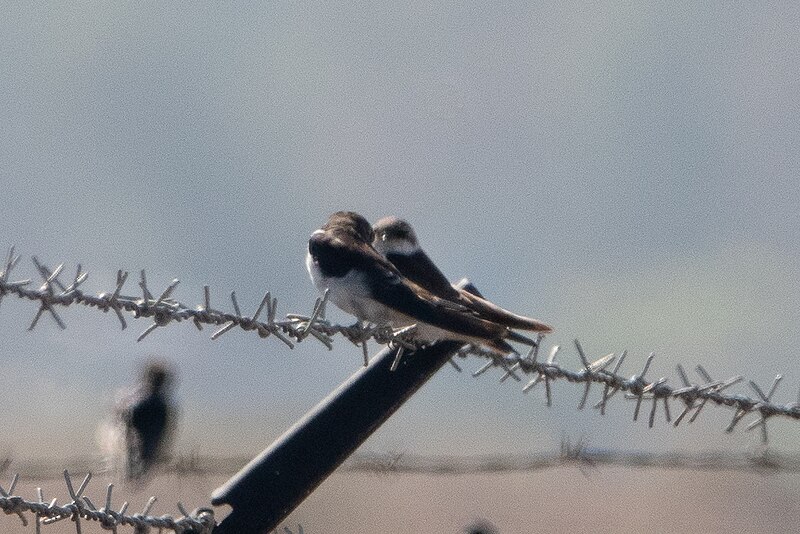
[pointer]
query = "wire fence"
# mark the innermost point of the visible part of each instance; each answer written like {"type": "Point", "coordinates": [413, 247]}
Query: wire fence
{"type": "Point", "coordinates": [81, 507]}
{"type": "Point", "coordinates": [570, 452]}
{"type": "Point", "coordinates": [694, 395]}
{"type": "Point", "coordinates": [577, 454]}
{"type": "Point", "coordinates": [200, 521]}
{"type": "Point", "coordinates": [691, 395]}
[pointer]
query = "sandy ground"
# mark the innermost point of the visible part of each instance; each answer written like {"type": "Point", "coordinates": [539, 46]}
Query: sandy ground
{"type": "Point", "coordinates": [609, 499]}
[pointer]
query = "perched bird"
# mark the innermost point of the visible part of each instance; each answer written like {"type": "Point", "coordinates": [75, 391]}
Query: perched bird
{"type": "Point", "coordinates": [360, 281]}
{"type": "Point", "coordinates": [396, 240]}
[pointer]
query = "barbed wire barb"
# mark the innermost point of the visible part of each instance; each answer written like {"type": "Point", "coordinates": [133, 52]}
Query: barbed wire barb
{"type": "Point", "coordinates": [11, 262]}
{"type": "Point", "coordinates": [111, 301]}
{"type": "Point", "coordinates": [295, 328]}
{"type": "Point", "coordinates": [9, 493]}
{"type": "Point", "coordinates": [81, 507]}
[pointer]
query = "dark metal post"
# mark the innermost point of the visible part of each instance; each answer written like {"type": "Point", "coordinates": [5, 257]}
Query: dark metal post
{"type": "Point", "coordinates": [274, 483]}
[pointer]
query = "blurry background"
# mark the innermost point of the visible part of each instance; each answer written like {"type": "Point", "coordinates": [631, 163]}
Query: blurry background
{"type": "Point", "coordinates": [628, 174]}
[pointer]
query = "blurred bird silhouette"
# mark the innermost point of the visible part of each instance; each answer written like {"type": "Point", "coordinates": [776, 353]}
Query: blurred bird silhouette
{"type": "Point", "coordinates": [143, 422]}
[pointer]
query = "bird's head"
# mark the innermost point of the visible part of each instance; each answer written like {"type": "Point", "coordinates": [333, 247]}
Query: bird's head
{"type": "Point", "coordinates": [350, 223]}
{"type": "Point", "coordinates": [394, 236]}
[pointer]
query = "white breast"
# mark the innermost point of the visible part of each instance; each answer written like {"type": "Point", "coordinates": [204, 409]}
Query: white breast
{"type": "Point", "coordinates": [349, 293]}
{"type": "Point", "coordinates": [314, 272]}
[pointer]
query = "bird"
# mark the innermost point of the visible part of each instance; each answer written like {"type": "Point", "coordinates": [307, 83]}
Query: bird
{"type": "Point", "coordinates": [137, 436]}
{"type": "Point", "coordinates": [342, 261]}
{"type": "Point", "coordinates": [396, 240]}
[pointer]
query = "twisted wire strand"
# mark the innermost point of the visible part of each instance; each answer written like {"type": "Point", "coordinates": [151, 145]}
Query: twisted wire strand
{"type": "Point", "coordinates": [693, 395]}
{"type": "Point", "coordinates": [164, 310]}
{"type": "Point", "coordinates": [200, 521]}
{"type": "Point", "coordinates": [574, 453]}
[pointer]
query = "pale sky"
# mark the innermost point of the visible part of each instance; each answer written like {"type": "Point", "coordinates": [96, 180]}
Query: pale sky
{"type": "Point", "coordinates": [627, 173]}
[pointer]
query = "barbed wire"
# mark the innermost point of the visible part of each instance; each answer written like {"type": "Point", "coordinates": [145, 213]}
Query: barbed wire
{"type": "Point", "coordinates": [694, 395]}
{"type": "Point", "coordinates": [762, 459]}
{"type": "Point", "coordinates": [577, 453]}
{"type": "Point", "coordinates": [81, 507]}
{"type": "Point", "coordinates": [200, 521]}
{"type": "Point", "coordinates": [165, 310]}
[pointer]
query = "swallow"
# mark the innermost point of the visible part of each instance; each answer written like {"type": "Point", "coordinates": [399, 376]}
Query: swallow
{"type": "Point", "coordinates": [360, 281]}
{"type": "Point", "coordinates": [396, 240]}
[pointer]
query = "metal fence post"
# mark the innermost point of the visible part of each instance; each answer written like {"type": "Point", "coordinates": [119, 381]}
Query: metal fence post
{"type": "Point", "coordinates": [274, 483]}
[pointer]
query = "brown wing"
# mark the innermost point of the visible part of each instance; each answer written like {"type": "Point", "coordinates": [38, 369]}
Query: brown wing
{"type": "Point", "coordinates": [337, 254]}
{"type": "Point", "coordinates": [391, 288]}
{"type": "Point", "coordinates": [421, 270]}
{"type": "Point", "coordinates": [492, 312]}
